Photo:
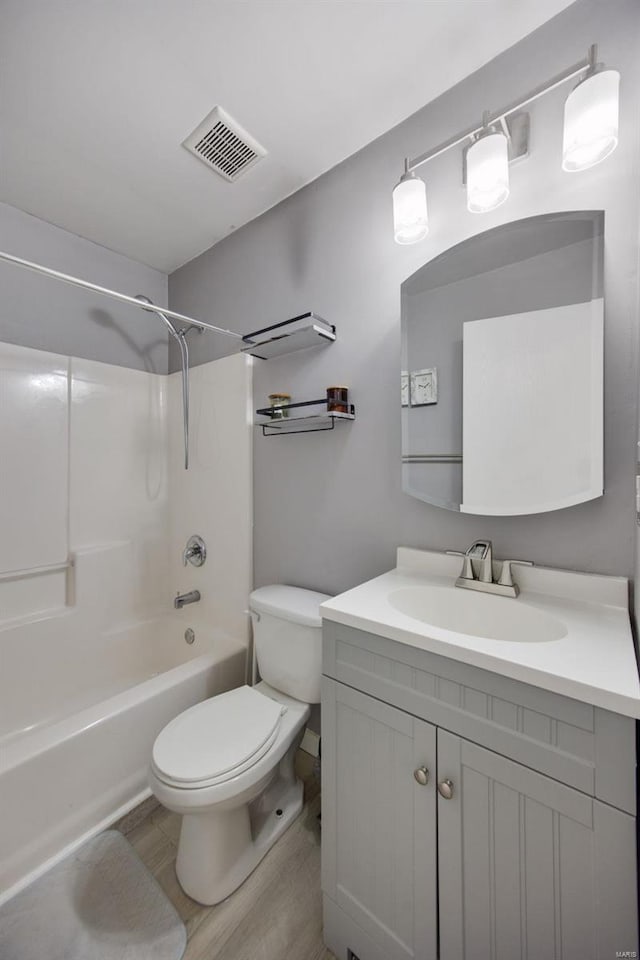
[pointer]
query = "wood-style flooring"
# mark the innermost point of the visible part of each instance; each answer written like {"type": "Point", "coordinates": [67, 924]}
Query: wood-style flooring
{"type": "Point", "coordinates": [277, 912]}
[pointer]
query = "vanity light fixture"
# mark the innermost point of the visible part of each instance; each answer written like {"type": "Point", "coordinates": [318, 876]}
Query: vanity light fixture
{"type": "Point", "coordinates": [591, 120]}
{"type": "Point", "coordinates": [487, 171]}
{"type": "Point", "coordinates": [410, 216]}
{"type": "Point", "coordinates": [590, 135]}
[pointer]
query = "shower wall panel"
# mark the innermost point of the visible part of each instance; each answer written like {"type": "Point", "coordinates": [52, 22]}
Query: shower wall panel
{"type": "Point", "coordinates": [34, 434]}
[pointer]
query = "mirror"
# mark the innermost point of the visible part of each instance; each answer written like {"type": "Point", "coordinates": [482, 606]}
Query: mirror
{"type": "Point", "coordinates": [502, 369]}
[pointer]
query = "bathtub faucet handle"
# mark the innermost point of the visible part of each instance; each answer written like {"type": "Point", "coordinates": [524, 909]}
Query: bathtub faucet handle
{"type": "Point", "coordinates": [195, 551]}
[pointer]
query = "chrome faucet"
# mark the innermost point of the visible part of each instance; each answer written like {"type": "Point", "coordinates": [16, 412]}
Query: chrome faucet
{"type": "Point", "coordinates": [477, 570]}
{"type": "Point", "coordinates": [182, 599]}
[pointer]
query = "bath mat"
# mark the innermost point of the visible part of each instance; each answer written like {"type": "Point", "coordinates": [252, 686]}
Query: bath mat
{"type": "Point", "coordinates": [100, 903]}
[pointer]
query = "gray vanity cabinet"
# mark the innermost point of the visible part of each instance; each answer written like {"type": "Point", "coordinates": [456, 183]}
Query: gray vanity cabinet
{"type": "Point", "coordinates": [381, 821]}
{"type": "Point", "coordinates": [529, 867]}
{"type": "Point", "coordinates": [521, 842]}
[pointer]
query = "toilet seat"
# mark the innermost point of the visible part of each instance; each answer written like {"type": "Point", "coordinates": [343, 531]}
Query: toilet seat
{"type": "Point", "coordinates": [217, 739]}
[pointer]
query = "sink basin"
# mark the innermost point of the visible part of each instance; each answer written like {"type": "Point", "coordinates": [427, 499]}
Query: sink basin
{"type": "Point", "coordinates": [477, 614]}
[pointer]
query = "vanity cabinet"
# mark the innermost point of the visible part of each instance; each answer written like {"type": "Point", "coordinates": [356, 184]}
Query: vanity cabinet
{"type": "Point", "coordinates": [379, 827]}
{"type": "Point", "coordinates": [467, 816]}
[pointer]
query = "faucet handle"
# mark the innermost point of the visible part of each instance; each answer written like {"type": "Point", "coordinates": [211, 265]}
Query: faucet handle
{"type": "Point", "coordinates": [467, 566]}
{"type": "Point", "coordinates": [506, 580]}
{"type": "Point", "coordinates": [195, 551]}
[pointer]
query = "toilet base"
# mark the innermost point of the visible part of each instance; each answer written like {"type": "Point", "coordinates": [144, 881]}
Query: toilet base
{"type": "Point", "coordinates": [218, 849]}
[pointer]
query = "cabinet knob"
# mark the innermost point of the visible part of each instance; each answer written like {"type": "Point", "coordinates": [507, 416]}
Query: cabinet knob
{"type": "Point", "coordinates": [422, 776]}
{"type": "Point", "coordinates": [445, 789]}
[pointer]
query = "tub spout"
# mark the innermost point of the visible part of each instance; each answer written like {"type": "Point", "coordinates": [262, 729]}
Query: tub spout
{"type": "Point", "coordinates": [183, 598]}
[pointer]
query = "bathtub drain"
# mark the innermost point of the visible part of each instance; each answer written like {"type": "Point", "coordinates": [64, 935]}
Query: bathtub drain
{"type": "Point", "coordinates": [189, 635]}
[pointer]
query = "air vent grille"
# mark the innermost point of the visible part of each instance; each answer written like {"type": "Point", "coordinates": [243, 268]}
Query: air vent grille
{"type": "Point", "coordinates": [224, 145]}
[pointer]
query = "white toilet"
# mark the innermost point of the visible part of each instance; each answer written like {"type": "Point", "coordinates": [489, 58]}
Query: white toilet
{"type": "Point", "coordinates": [226, 764]}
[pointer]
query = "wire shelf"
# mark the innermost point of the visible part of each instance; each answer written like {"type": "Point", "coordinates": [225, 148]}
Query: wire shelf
{"type": "Point", "coordinates": [316, 422]}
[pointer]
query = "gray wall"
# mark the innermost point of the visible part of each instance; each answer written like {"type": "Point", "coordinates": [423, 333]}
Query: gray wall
{"type": "Point", "coordinates": [329, 509]}
{"type": "Point", "coordinates": [47, 315]}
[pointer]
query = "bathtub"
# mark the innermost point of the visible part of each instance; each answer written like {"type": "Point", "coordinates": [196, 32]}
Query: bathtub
{"type": "Point", "coordinates": [76, 732]}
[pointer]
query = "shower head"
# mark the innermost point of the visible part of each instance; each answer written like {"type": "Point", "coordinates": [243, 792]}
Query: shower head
{"type": "Point", "coordinates": [170, 326]}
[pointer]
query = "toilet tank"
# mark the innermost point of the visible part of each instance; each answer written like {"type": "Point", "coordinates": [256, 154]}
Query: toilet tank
{"type": "Point", "coordinates": [287, 634]}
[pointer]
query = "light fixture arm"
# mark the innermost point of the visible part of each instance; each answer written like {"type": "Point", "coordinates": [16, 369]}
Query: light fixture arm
{"type": "Point", "coordinates": [587, 66]}
{"type": "Point", "coordinates": [505, 129]}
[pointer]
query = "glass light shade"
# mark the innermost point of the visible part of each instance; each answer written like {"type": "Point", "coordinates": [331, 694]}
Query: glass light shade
{"type": "Point", "coordinates": [410, 218]}
{"type": "Point", "coordinates": [591, 121]}
{"type": "Point", "coordinates": [487, 173]}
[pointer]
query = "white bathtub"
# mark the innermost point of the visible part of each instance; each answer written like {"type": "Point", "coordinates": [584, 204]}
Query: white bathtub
{"type": "Point", "coordinates": [78, 723]}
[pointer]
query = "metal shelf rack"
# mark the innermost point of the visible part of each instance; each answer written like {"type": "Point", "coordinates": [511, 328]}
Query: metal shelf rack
{"type": "Point", "coordinates": [317, 422]}
{"type": "Point", "coordinates": [298, 333]}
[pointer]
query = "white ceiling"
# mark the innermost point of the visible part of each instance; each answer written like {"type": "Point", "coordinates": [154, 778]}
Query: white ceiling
{"type": "Point", "coordinates": [97, 96]}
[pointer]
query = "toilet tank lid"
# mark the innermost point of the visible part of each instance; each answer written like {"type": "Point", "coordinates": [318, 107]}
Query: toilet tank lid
{"type": "Point", "coordinates": [289, 603]}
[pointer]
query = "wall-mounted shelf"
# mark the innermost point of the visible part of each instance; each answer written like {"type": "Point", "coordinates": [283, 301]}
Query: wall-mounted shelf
{"type": "Point", "coordinates": [310, 422]}
{"type": "Point", "coordinates": [299, 333]}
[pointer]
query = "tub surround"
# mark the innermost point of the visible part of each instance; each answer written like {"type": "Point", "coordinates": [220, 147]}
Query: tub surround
{"type": "Point", "coordinates": [592, 658]}
{"type": "Point", "coordinates": [86, 471]}
{"type": "Point", "coordinates": [214, 497]}
{"type": "Point", "coordinates": [94, 658]}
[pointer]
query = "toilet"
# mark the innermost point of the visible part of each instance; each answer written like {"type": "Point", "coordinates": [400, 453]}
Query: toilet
{"type": "Point", "coordinates": [227, 763]}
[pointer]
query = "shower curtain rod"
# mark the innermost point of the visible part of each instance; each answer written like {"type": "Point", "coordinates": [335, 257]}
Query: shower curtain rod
{"type": "Point", "coordinates": [104, 291]}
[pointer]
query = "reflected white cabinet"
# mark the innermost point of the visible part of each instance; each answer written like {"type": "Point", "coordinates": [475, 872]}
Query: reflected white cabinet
{"type": "Point", "coordinates": [490, 859]}
{"type": "Point", "coordinates": [532, 394]}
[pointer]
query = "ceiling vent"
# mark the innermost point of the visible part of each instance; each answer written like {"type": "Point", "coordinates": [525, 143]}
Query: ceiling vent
{"type": "Point", "coordinates": [224, 145]}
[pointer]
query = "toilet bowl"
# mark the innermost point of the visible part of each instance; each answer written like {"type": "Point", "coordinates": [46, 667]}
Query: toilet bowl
{"type": "Point", "coordinates": [227, 764]}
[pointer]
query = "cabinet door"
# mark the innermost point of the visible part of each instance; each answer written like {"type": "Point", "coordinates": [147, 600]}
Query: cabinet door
{"type": "Point", "coordinates": [529, 869]}
{"type": "Point", "coordinates": [378, 822]}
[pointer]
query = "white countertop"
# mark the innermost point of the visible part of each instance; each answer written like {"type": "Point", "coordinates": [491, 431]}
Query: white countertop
{"type": "Point", "coordinates": [594, 662]}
